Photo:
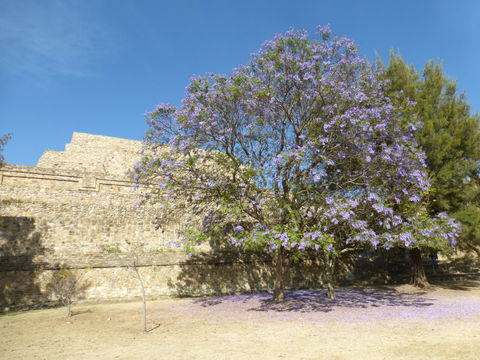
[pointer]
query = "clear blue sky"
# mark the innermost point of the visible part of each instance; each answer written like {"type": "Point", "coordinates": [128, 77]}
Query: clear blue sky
{"type": "Point", "coordinates": [96, 66]}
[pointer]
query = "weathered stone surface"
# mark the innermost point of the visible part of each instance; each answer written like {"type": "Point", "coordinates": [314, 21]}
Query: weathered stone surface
{"type": "Point", "coordinates": [94, 154]}
{"type": "Point", "coordinates": [75, 208]}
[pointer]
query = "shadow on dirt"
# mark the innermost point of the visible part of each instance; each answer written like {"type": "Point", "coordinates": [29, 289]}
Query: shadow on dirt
{"type": "Point", "coordinates": [317, 301]}
{"type": "Point", "coordinates": [461, 283]}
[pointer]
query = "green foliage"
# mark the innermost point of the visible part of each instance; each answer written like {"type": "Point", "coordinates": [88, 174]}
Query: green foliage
{"type": "Point", "coordinates": [113, 250]}
{"type": "Point", "coordinates": [450, 138]}
{"type": "Point", "coordinates": [469, 216]}
{"type": "Point", "coordinates": [3, 141]}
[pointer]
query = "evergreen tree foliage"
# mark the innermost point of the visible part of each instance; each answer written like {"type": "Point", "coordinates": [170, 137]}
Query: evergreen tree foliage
{"type": "Point", "coordinates": [450, 138]}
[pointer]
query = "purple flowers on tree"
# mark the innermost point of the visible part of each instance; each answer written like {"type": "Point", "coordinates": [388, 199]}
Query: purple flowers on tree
{"type": "Point", "coordinates": [299, 150]}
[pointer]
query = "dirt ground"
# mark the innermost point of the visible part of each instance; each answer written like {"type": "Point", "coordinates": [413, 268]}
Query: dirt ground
{"type": "Point", "coordinates": [386, 323]}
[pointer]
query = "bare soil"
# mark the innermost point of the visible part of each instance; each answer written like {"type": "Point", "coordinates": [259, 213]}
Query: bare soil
{"type": "Point", "coordinates": [381, 323]}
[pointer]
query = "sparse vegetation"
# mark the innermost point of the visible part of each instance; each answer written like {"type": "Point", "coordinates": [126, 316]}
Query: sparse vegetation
{"type": "Point", "coordinates": [131, 253]}
{"type": "Point", "coordinates": [3, 141]}
{"type": "Point", "coordinates": [67, 286]}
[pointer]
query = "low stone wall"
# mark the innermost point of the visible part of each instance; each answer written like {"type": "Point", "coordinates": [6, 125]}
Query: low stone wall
{"type": "Point", "coordinates": [54, 219]}
{"type": "Point", "coordinates": [73, 210]}
{"type": "Point", "coordinates": [109, 278]}
{"type": "Point", "coordinates": [77, 206]}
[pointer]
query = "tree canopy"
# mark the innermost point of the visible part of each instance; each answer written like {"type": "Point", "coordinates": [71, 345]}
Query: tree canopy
{"type": "Point", "coordinates": [298, 151]}
{"type": "Point", "coordinates": [450, 138]}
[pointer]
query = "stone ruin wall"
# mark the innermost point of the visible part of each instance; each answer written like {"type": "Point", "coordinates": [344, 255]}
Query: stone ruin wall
{"type": "Point", "coordinates": [74, 208]}
{"type": "Point", "coordinates": [81, 212]}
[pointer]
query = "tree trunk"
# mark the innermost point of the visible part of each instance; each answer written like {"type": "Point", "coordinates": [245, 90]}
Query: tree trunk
{"type": "Point", "coordinates": [418, 277]}
{"type": "Point", "coordinates": [330, 291]}
{"type": "Point", "coordinates": [69, 309]}
{"type": "Point", "coordinates": [329, 268]}
{"type": "Point", "coordinates": [144, 300]}
{"type": "Point", "coordinates": [279, 276]}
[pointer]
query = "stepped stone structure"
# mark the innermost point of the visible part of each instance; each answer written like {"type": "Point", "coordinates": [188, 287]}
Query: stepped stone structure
{"type": "Point", "coordinates": [74, 208]}
{"type": "Point", "coordinates": [94, 154]}
{"type": "Point", "coordinates": [77, 206]}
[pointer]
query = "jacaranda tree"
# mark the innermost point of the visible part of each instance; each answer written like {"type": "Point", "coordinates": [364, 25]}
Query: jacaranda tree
{"type": "Point", "coordinates": [299, 152]}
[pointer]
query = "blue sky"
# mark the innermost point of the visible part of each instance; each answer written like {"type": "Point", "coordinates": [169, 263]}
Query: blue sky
{"type": "Point", "coordinates": [97, 65]}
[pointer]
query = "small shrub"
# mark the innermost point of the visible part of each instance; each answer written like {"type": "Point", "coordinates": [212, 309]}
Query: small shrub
{"type": "Point", "coordinates": [113, 250]}
{"type": "Point", "coordinates": [67, 286]}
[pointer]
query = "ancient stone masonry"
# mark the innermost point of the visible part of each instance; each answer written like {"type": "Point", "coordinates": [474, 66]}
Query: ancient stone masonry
{"type": "Point", "coordinates": [73, 210]}
{"type": "Point", "coordinates": [77, 206]}
{"type": "Point", "coordinates": [77, 211]}
{"type": "Point", "coordinates": [95, 154]}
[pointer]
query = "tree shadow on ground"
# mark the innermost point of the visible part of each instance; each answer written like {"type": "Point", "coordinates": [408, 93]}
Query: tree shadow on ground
{"type": "Point", "coordinates": [77, 312]}
{"type": "Point", "coordinates": [456, 284]}
{"type": "Point", "coordinates": [153, 327]}
{"type": "Point", "coordinates": [317, 301]}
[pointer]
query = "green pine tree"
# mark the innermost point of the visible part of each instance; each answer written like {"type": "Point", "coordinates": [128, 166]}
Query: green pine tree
{"type": "Point", "coordinates": [450, 138]}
